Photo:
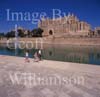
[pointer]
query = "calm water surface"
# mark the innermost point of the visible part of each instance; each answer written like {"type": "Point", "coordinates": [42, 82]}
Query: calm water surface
{"type": "Point", "coordinates": [77, 54]}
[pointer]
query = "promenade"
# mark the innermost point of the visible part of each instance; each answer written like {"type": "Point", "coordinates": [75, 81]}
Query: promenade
{"type": "Point", "coordinates": [83, 80]}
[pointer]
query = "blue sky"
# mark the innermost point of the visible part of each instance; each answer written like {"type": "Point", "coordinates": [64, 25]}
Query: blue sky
{"type": "Point", "coordinates": [85, 10]}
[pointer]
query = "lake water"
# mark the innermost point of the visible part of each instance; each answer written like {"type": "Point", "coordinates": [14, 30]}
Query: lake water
{"type": "Point", "coordinates": [77, 54]}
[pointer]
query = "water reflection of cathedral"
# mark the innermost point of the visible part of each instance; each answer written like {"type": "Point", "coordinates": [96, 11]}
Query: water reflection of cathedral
{"type": "Point", "coordinates": [66, 55]}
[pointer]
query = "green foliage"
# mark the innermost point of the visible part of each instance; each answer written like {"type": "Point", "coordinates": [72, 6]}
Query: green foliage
{"type": "Point", "coordinates": [21, 33]}
{"type": "Point", "coordinates": [2, 34]}
{"type": "Point", "coordinates": [37, 32]}
{"type": "Point", "coordinates": [10, 34]}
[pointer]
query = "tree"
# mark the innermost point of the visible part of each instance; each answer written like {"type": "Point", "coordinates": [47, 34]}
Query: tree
{"type": "Point", "coordinates": [10, 34]}
{"type": "Point", "coordinates": [29, 33]}
{"type": "Point", "coordinates": [21, 33]}
{"type": "Point", "coordinates": [37, 32]}
{"type": "Point", "coordinates": [2, 35]}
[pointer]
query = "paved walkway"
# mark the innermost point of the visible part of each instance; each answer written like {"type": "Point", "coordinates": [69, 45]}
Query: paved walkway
{"type": "Point", "coordinates": [47, 78]}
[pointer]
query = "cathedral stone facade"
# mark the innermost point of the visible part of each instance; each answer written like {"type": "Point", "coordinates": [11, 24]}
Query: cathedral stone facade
{"type": "Point", "coordinates": [97, 31]}
{"type": "Point", "coordinates": [69, 26]}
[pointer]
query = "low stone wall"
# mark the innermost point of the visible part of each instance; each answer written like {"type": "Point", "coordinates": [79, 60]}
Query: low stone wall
{"type": "Point", "coordinates": [67, 41]}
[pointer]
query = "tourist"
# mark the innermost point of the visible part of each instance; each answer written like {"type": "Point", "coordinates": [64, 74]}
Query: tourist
{"type": "Point", "coordinates": [39, 54]}
{"type": "Point", "coordinates": [36, 57]}
{"type": "Point", "coordinates": [27, 57]}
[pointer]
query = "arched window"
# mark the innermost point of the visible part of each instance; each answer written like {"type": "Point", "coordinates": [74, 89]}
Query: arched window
{"type": "Point", "coordinates": [50, 32]}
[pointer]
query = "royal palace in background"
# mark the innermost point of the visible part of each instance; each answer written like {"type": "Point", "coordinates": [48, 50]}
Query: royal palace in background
{"type": "Point", "coordinates": [67, 26]}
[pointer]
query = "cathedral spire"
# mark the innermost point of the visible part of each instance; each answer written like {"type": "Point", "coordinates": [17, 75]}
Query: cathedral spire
{"type": "Point", "coordinates": [72, 15]}
{"type": "Point", "coordinates": [69, 14]}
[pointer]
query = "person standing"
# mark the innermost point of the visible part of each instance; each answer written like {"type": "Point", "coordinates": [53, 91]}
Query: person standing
{"type": "Point", "coordinates": [40, 54]}
{"type": "Point", "coordinates": [27, 56]}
